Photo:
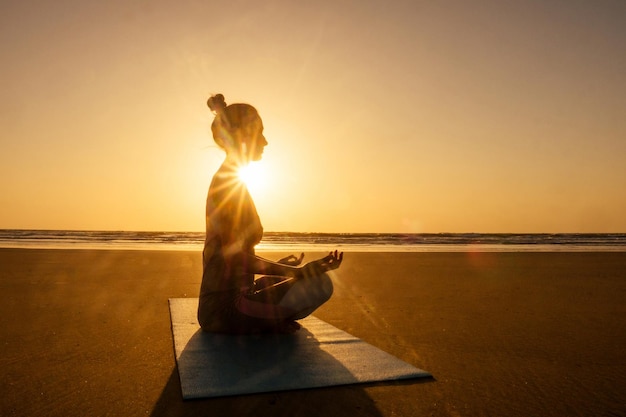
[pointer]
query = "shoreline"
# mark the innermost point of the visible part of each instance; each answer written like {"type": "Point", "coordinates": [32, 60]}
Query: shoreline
{"type": "Point", "coordinates": [347, 242]}
{"type": "Point", "coordinates": [447, 248]}
{"type": "Point", "coordinates": [87, 332]}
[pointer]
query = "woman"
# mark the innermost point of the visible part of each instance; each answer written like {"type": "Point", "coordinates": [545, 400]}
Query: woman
{"type": "Point", "coordinates": [231, 300]}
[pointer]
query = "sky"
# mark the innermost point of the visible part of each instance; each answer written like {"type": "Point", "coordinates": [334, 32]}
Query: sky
{"type": "Point", "coordinates": [381, 116]}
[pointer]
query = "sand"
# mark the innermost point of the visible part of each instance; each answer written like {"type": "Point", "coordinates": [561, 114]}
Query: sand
{"type": "Point", "coordinates": [87, 333]}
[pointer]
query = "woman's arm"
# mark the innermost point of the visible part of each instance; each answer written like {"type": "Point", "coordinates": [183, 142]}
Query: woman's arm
{"type": "Point", "coordinates": [257, 265]}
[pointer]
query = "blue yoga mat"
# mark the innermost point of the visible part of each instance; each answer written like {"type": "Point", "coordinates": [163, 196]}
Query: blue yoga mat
{"type": "Point", "coordinates": [318, 355]}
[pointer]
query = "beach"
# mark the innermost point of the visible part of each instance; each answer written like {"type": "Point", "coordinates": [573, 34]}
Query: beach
{"type": "Point", "coordinates": [87, 333]}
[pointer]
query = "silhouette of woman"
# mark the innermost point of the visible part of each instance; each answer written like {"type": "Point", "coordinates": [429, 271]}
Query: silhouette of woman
{"type": "Point", "coordinates": [231, 300]}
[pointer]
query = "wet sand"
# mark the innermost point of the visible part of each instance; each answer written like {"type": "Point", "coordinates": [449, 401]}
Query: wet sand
{"type": "Point", "coordinates": [87, 332]}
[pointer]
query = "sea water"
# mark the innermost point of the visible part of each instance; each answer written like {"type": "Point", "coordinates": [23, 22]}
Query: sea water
{"type": "Point", "coordinates": [286, 241]}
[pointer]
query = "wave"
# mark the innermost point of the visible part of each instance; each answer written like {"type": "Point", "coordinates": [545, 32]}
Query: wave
{"type": "Point", "coordinates": [279, 241]}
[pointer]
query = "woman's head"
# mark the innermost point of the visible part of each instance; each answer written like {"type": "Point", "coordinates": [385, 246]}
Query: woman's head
{"type": "Point", "coordinates": [238, 129]}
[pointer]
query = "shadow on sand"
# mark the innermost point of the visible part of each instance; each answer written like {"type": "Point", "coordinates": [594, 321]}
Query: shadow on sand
{"type": "Point", "coordinates": [273, 365]}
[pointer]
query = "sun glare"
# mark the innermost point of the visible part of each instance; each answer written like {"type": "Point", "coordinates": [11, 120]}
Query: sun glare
{"type": "Point", "coordinates": [254, 176]}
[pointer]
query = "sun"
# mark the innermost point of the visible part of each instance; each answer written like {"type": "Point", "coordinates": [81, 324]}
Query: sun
{"type": "Point", "coordinates": [254, 176]}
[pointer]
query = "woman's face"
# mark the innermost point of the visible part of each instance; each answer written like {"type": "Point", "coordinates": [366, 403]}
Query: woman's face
{"type": "Point", "coordinates": [253, 141]}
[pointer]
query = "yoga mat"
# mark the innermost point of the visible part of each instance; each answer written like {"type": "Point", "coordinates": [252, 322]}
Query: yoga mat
{"type": "Point", "coordinates": [318, 355]}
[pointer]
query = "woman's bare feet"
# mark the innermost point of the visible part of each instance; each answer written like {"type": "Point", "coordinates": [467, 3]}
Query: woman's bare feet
{"type": "Point", "coordinates": [288, 327]}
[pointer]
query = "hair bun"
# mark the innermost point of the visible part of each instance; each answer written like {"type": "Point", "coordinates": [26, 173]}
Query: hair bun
{"type": "Point", "coordinates": [216, 103]}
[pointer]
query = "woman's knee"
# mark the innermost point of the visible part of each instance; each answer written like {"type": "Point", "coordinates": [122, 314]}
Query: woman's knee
{"type": "Point", "coordinates": [312, 291]}
{"type": "Point", "coordinates": [325, 285]}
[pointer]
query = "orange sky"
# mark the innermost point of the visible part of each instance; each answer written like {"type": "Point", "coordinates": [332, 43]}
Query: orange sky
{"type": "Point", "coordinates": [390, 116]}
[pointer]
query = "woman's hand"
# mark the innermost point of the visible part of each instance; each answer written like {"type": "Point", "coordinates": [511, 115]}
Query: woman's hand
{"type": "Point", "coordinates": [292, 260]}
{"type": "Point", "coordinates": [331, 261]}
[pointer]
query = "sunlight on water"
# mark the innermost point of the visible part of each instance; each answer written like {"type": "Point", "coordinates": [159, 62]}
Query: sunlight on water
{"type": "Point", "coordinates": [315, 242]}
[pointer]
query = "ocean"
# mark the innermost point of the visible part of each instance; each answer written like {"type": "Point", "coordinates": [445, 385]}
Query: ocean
{"type": "Point", "coordinates": [286, 241]}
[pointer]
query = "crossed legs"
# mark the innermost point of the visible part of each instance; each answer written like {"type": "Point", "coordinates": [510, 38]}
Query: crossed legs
{"type": "Point", "coordinates": [285, 298]}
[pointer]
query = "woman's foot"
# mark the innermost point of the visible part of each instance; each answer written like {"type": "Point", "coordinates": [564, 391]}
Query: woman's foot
{"type": "Point", "coordinates": [288, 327]}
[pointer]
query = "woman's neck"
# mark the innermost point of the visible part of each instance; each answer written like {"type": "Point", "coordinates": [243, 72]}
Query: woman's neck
{"type": "Point", "coordinates": [236, 161]}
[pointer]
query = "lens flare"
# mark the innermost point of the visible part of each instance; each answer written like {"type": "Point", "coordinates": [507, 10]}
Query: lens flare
{"type": "Point", "coordinates": [254, 176]}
